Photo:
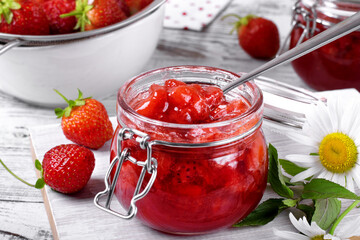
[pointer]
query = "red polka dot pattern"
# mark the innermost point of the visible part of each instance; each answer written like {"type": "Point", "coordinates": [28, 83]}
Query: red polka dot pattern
{"type": "Point", "coordinates": [192, 14]}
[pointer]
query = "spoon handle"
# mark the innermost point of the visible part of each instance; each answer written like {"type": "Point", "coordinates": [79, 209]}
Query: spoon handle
{"type": "Point", "coordinates": [337, 31]}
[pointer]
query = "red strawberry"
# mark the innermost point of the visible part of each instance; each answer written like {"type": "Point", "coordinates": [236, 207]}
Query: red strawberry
{"type": "Point", "coordinates": [85, 122]}
{"type": "Point", "coordinates": [53, 10]}
{"type": "Point", "coordinates": [259, 37]}
{"type": "Point", "coordinates": [137, 5]}
{"type": "Point", "coordinates": [67, 168]}
{"type": "Point", "coordinates": [97, 15]}
{"type": "Point", "coordinates": [24, 17]}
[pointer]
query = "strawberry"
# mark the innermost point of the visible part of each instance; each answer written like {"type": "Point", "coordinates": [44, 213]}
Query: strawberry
{"type": "Point", "coordinates": [65, 168]}
{"type": "Point", "coordinates": [53, 10]}
{"type": "Point", "coordinates": [85, 122]}
{"type": "Point", "coordinates": [100, 13]}
{"type": "Point", "coordinates": [25, 17]}
{"type": "Point", "coordinates": [259, 37]}
{"type": "Point", "coordinates": [137, 5]}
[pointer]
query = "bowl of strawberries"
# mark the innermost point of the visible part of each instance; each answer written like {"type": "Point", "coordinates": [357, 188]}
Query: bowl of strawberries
{"type": "Point", "coordinates": [67, 44]}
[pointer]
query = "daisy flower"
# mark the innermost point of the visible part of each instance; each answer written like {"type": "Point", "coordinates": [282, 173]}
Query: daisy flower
{"type": "Point", "coordinates": [333, 131]}
{"type": "Point", "coordinates": [314, 232]}
{"type": "Point", "coordinates": [307, 231]}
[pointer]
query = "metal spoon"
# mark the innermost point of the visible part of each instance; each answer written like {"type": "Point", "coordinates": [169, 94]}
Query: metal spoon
{"type": "Point", "coordinates": [341, 29]}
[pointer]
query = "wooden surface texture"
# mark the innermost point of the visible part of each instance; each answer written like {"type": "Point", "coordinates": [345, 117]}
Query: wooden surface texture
{"type": "Point", "coordinates": [22, 209]}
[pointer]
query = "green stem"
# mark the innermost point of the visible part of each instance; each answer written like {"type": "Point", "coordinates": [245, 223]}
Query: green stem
{"type": "Point", "coordinates": [63, 97]}
{"type": "Point", "coordinates": [332, 230]}
{"type": "Point", "coordinates": [29, 184]}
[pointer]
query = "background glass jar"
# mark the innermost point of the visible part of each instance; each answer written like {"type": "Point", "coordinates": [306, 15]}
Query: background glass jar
{"type": "Point", "coordinates": [336, 65]}
{"type": "Point", "coordinates": [208, 176]}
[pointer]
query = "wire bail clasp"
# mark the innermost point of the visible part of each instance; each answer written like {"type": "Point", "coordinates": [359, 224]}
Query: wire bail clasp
{"type": "Point", "coordinates": [149, 166]}
{"type": "Point", "coordinates": [309, 28]}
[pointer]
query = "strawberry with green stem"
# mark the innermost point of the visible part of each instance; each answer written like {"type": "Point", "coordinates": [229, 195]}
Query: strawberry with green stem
{"type": "Point", "coordinates": [259, 37]}
{"type": "Point", "coordinates": [65, 168]}
{"type": "Point", "coordinates": [85, 121]}
{"type": "Point", "coordinates": [99, 14]}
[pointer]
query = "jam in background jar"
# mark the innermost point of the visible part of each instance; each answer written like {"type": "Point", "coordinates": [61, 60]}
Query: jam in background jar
{"type": "Point", "coordinates": [337, 64]}
{"type": "Point", "coordinates": [212, 174]}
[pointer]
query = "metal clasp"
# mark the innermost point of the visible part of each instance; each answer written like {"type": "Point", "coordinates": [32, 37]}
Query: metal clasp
{"type": "Point", "coordinates": [309, 27]}
{"type": "Point", "coordinates": [149, 165]}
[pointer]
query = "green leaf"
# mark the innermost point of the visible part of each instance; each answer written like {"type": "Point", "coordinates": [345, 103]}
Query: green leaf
{"type": "Point", "coordinates": [67, 111]}
{"type": "Point", "coordinates": [264, 213]}
{"type": "Point", "coordinates": [308, 210]}
{"type": "Point", "coordinates": [326, 212]}
{"type": "Point", "coordinates": [290, 202]}
{"type": "Point", "coordinates": [290, 167]}
{"type": "Point", "coordinates": [321, 189]}
{"type": "Point", "coordinates": [38, 165]}
{"type": "Point", "coordinates": [59, 112]}
{"type": "Point", "coordinates": [40, 183]}
{"type": "Point", "coordinates": [275, 177]}
{"type": "Point", "coordinates": [80, 101]}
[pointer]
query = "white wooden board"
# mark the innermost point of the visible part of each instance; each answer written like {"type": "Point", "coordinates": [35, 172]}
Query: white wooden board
{"type": "Point", "coordinates": [76, 217]}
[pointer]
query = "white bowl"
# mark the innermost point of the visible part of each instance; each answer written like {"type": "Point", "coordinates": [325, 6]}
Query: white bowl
{"type": "Point", "coordinates": [97, 66]}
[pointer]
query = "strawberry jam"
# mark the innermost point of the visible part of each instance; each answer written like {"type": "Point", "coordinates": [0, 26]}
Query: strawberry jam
{"type": "Point", "coordinates": [337, 64]}
{"type": "Point", "coordinates": [211, 153]}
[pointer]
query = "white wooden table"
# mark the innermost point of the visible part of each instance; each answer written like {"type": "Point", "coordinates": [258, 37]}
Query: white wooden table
{"type": "Point", "coordinates": [22, 211]}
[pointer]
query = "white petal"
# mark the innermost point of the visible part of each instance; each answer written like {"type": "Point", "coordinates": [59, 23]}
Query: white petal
{"type": "Point", "coordinates": [328, 175]}
{"type": "Point", "coordinates": [290, 235]}
{"type": "Point", "coordinates": [349, 118]}
{"type": "Point", "coordinates": [305, 174]}
{"type": "Point", "coordinates": [303, 139]}
{"type": "Point", "coordinates": [355, 173]}
{"type": "Point", "coordinates": [354, 130]}
{"type": "Point", "coordinates": [300, 225]}
{"type": "Point", "coordinates": [334, 115]}
{"type": "Point", "coordinates": [302, 160]}
{"type": "Point", "coordinates": [350, 183]}
{"type": "Point", "coordinates": [339, 179]}
{"type": "Point", "coordinates": [303, 226]}
{"type": "Point", "coordinates": [349, 229]}
{"type": "Point", "coordinates": [319, 120]}
{"type": "Point", "coordinates": [331, 237]}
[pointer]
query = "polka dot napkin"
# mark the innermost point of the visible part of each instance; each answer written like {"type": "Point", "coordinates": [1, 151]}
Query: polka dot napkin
{"type": "Point", "coordinates": [192, 14]}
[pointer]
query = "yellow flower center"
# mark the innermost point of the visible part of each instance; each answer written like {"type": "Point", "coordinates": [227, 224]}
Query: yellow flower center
{"type": "Point", "coordinates": [318, 237]}
{"type": "Point", "coordinates": [338, 152]}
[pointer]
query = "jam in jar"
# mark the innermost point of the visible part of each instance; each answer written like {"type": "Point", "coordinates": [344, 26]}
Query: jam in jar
{"type": "Point", "coordinates": [207, 151]}
{"type": "Point", "coordinates": [337, 64]}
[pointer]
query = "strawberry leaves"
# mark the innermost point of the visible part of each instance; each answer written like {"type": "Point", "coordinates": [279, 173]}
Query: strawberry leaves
{"type": "Point", "coordinates": [81, 10]}
{"type": "Point", "coordinates": [5, 9]}
{"type": "Point", "coordinates": [80, 101]}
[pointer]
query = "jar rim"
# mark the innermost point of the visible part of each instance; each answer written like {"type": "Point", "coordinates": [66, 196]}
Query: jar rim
{"type": "Point", "coordinates": [121, 100]}
{"type": "Point", "coordinates": [334, 8]}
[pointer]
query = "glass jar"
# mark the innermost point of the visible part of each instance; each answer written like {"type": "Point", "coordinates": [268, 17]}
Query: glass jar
{"type": "Point", "coordinates": [337, 64]}
{"type": "Point", "coordinates": [194, 178]}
